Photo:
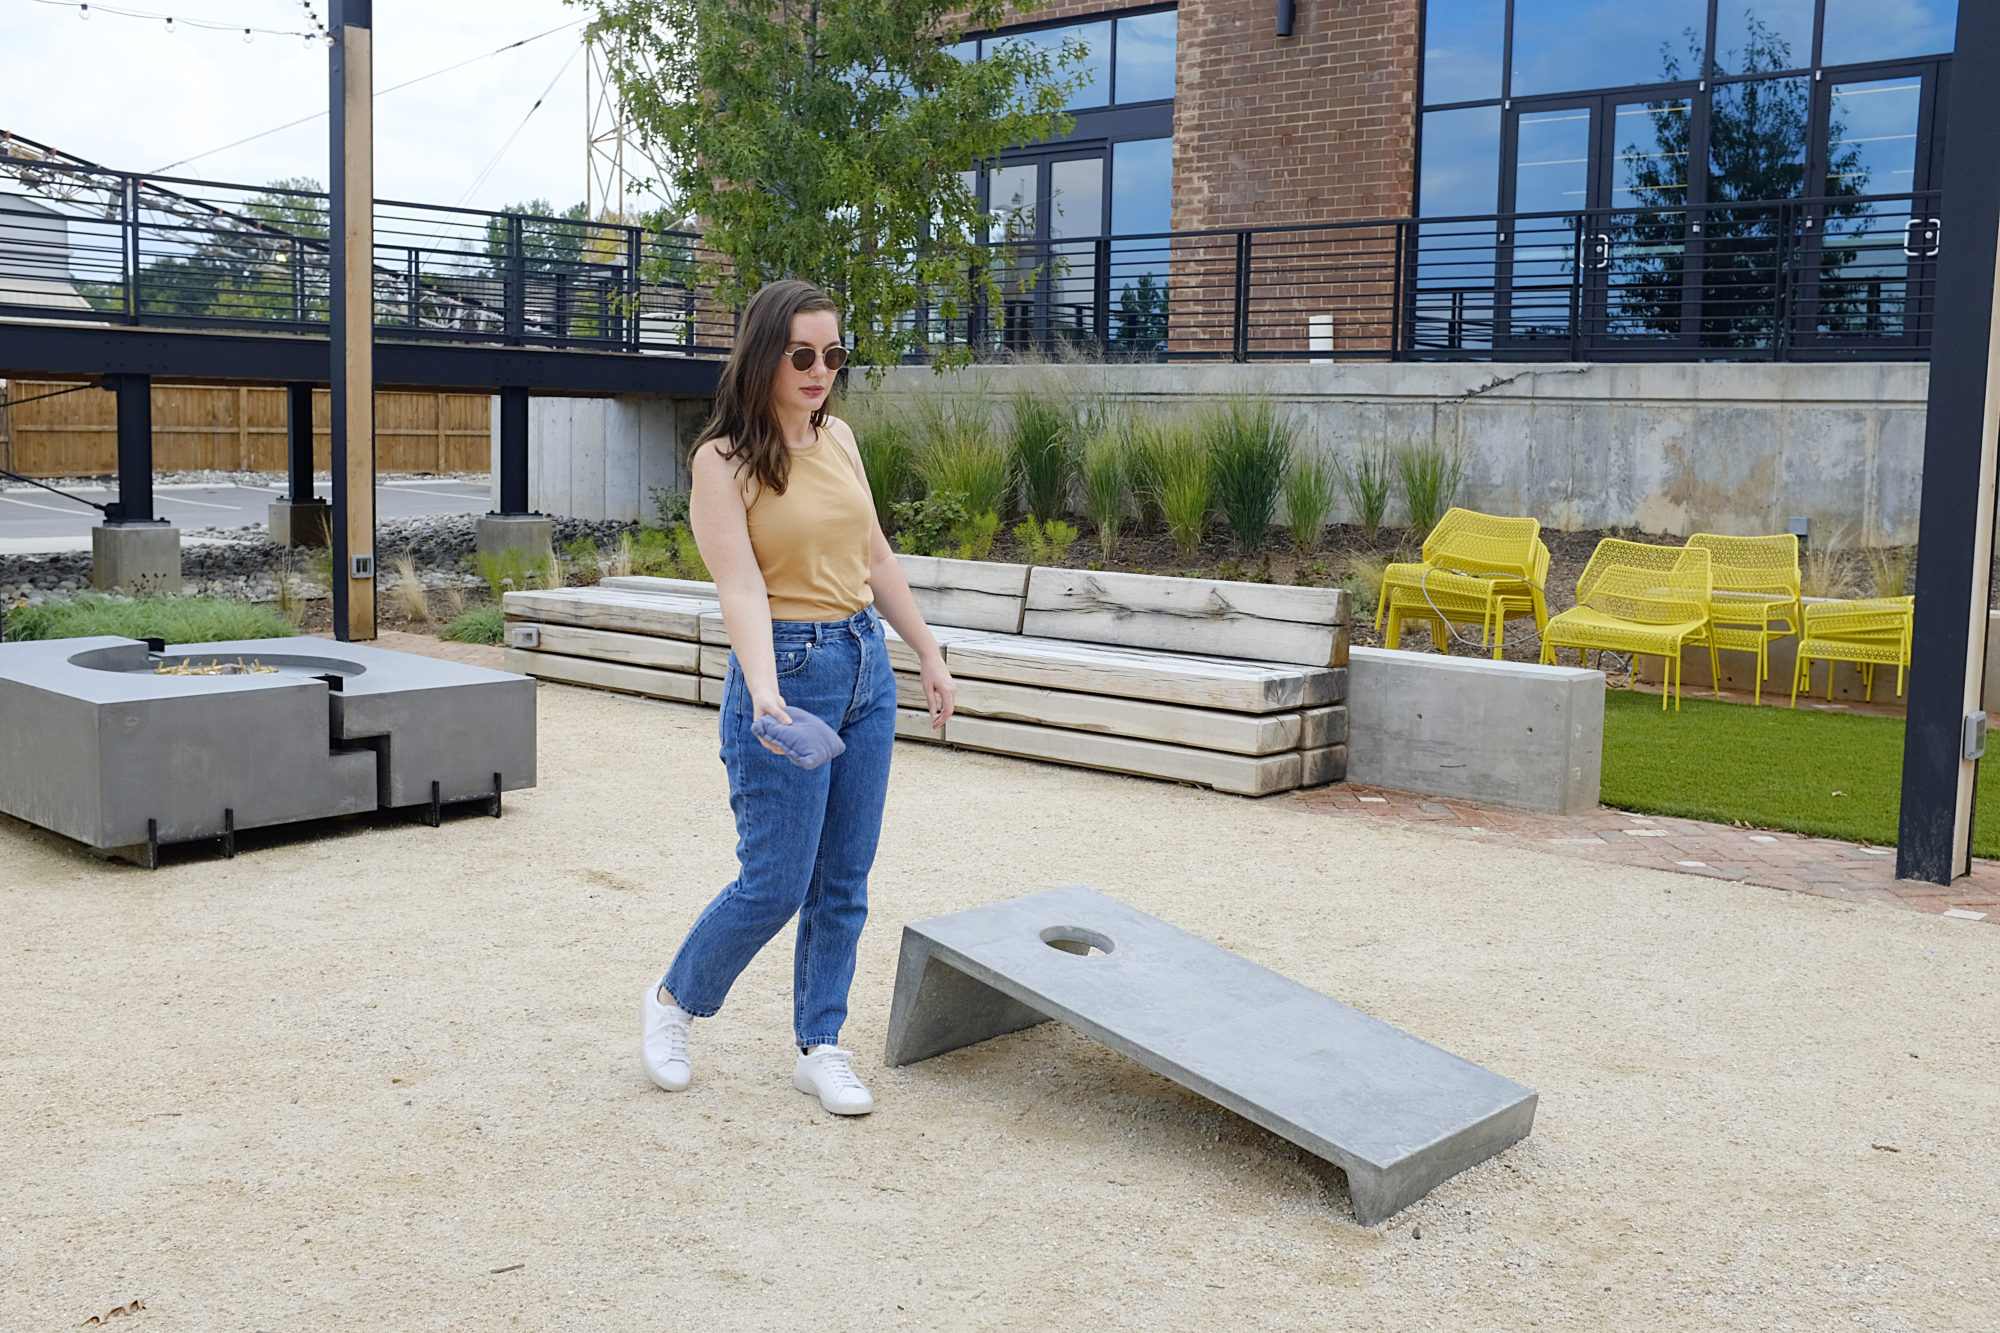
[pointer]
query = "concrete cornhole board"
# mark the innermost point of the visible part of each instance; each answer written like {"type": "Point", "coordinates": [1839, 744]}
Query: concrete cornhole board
{"type": "Point", "coordinates": [1397, 1114]}
{"type": "Point", "coordinates": [124, 759]}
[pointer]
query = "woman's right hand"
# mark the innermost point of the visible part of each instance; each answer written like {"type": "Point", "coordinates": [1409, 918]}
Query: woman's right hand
{"type": "Point", "coordinates": [770, 704]}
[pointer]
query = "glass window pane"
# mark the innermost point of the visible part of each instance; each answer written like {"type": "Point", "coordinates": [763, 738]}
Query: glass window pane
{"type": "Point", "coordinates": [1872, 137]}
{"type": "Point", "coordinates": [1552, 161]}
{"type": "Point", "coordinates": [1763, 36]}
{"type": "Point", "coordinates": [1010, 200]}
{"type": "Point", "coordinates": [1757, 139]}
{"type": "Point", "coordinates": [1460, 172]}
{"type": "Point", "coordinates": [1146, 56]}
{"type": "Point", "coordinates": [965, 52]}
{"type": "Point", "coordinates": [1650, 144]}
{"type": "Point", "coordinates": [1142, 181]}
{"type": "Point", "coordinates": [1859, 30]}
{"type": "Point", "coordinates": [1142, 199]}
{"type": "Point", "coordinates": [1566, 45]}
{"type": "Point", "coordinates": [1076, 197]}
{"type": "Point", "coordinates": [1463, 43]}
{"type": "Point", "coordinates": [1095, 68]}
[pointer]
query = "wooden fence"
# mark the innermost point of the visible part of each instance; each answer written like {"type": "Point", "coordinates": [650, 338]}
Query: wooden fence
{"type": "Point", "coordinates": [234, 429]}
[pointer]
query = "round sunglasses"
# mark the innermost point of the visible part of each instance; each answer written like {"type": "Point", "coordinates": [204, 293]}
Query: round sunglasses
{"type": "Point", "coordinates": [802, 358]}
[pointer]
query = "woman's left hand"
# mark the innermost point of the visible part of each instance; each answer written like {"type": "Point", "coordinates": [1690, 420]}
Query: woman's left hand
{"type": "Point", "coordinates": [940, 691]}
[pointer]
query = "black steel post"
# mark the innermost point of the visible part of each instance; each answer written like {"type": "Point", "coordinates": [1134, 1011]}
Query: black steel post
{"type": "Point", "coordinates": [135, 448]}
{"type": "Point", "coordinates": [513, 451]}
{"type": "Point", "coordinates": [299, 441]}
{"type": "Point", "coordinates": [1240, 322]}
{"type": "Point", "coordinates": [1956, 514]}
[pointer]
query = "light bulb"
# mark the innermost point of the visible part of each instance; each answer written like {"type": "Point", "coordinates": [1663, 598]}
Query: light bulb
{"type": "Point", "coordinates": [170, 26]}
{"type": "Point", "coordinates": [83, 11]}
{"type": "Point", "coordinates": [248, 37]}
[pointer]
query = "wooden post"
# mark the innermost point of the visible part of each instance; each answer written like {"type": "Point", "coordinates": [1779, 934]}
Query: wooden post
{"type": "Point", "coordinates": [351, 335]}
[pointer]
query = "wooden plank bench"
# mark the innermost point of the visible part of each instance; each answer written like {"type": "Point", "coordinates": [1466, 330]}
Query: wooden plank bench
{"type": "Point", "coordinates": [1397, 1114]}
{"type": "Point", "coordinates": [1259, 709]}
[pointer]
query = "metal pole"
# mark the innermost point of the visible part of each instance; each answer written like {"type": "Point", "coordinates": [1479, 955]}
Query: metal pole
{"type": "Point", "coordinates": [299, 441]}
{"type": "Point", "coordinates": [352, 330]}
{"type": "Point", "coordinates": [513, 451]}
{"type": "Point", "coordinates": [1956, 515]}
{"type": "Point", "coordinates": [135, 447]}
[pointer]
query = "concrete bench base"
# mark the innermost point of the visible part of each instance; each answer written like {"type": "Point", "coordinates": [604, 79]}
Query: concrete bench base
{"type": "Point", "coordinates": [1397, 1114]}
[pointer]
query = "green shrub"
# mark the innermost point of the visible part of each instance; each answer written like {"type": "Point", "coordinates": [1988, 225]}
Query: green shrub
{"type": "Point", "coordinates": [670, 505]}
{"type": "Point", "coordinates": [973, 539]}
{"type": "Point", "coordinates": [1309, 500]}
{"type": "Point", "coordinates": [1364, 480]}
{"type": "Point", "coordinates": [1249, 448]}
{"type": "Point", "coordinates": [1364, 581]}
{"type": "Point", "coordinates": [1185, 482]}
{"type": "Point", "coordinates": [482, 624]}
{"type": "Point", "coordinates": [890, 462]}
{"type": "Point", "coordinates": [1106, 488]}
{"type": "Point", "coordinates": [1430, 477]}
{"type": "Point", "coordinates": [512, 571]}
{"type": "Point", "coordinates": [970, 466]}
{"type": "Point", "coordinates": [580, 560]}
{"type": "Point", "coordinates": [653, 554]}
{"type": "Point", "coordinates": [1144, 441]}
{"type": "Point", "coordinates": [1038, 454]}
{"type": "Point", "coordinates": [175, 619]}
{"type": "Point", "coordinates": [1045, 543]}
{"type": "Point", "coordinates": [688, 563]}
{"type": "Point", "coordinates": [925, 526]}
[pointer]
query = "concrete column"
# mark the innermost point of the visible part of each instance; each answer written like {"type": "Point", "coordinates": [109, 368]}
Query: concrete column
{"type": "Point", "coordinates": [514, 526]}
{"type": "Point", "coordinates": [302, 518]}
{"type": "Point", "coordinates": [131, 550]}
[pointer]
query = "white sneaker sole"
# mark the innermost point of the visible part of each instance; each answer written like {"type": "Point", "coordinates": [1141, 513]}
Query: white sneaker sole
{"type": "Point", "coordinates": [805, 1085]}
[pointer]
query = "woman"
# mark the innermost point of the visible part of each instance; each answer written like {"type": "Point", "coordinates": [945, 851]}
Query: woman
{"type": "Point", "coordinates": [782, 513]}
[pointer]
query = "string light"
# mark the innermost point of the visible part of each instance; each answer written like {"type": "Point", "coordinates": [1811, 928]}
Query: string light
{"type": "Point", "coordinates": [174, 23]}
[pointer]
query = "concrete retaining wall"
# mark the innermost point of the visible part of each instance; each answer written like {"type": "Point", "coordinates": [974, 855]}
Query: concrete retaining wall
{"type": "Point", "coordinates": [1671, 448]}
{"type": "Point", "coordinates": [600, 457]}
{"type": "Point", "coordinates": [1507, 732]}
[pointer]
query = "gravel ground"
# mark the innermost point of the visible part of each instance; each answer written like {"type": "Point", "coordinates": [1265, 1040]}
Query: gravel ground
{"type": "Point", "coordinates": [245, 563]}
{"type": "Point", "coordinates": [387, 1079]}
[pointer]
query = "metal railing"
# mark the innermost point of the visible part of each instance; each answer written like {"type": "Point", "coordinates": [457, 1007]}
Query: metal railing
{"type": "Point", "coordinates": [1804, 279]}
{"type": "Point", "coordinates": [81, 243]}
{"type": "Point", "coordinates": [1808, 279]}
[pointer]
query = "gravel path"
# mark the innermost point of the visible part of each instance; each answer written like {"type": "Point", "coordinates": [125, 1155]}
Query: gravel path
{"type": "Point", "coordinates": [387, 1079]}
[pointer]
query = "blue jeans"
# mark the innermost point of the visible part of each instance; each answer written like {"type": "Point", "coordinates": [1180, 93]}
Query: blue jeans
{"type": "Point", "coordinates": [805, 840]}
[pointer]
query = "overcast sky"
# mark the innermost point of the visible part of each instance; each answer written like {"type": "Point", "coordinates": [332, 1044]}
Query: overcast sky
{"type": "Point", "coordinates": [126, 93]}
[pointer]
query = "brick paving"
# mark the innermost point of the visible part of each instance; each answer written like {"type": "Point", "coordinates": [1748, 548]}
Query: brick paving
{"type": "Point", "coordinates": [1850, 872]}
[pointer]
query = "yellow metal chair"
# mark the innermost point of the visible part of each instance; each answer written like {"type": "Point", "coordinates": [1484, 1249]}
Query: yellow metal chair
{"type": "Point", "coordinates": [1871, 632]}
{"type": "Point", "coordinates": [1756, 597]}
{"type": "Point", "coordinates": [1634, 598]}
{"type": "Point", "coordinates": [1478, 569]}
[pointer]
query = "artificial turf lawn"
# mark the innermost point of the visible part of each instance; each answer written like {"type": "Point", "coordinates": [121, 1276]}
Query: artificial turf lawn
{"type": "Point", "coordinates": [1768, 767]}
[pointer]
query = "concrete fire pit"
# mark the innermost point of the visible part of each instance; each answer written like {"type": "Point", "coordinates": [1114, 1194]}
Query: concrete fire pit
{"type": "Point", "coordinates": [103, 745]}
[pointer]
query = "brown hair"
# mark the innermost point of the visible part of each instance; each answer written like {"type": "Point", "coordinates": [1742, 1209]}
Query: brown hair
{"type": "Point", "coordinates": [743, 410]}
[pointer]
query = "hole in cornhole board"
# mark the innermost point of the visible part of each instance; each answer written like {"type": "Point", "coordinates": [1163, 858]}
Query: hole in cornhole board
{"type": "Point", "coordinates": [1079, 940]}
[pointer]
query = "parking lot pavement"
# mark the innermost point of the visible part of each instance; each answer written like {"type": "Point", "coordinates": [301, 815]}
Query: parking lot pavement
{"type": "Point", "coordinates": [34, 521]}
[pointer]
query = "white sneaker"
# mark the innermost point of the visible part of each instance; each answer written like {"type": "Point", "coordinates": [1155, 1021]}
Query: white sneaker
{"type": "Point", "coordinates": [663, 1041]}
{"type": "Point", "coordinates": [825, 1072]}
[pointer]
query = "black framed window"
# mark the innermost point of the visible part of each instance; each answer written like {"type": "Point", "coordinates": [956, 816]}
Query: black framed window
{"type": "Point", "coordinates": [1764, 99]}
{"type": "Point", "coordinates": [1129, 58]}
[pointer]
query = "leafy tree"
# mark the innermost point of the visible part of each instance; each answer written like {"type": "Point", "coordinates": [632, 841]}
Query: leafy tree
{"type": "Point", "coordinates": [831, 140]}
{"type": "Point", "coordinates": [550, 241]}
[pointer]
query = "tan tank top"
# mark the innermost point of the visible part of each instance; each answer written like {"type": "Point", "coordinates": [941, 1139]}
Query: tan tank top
{"type": "Point", "coordinates": [812, 542]}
